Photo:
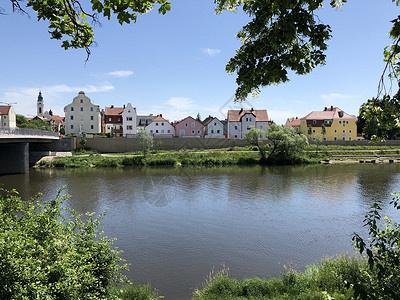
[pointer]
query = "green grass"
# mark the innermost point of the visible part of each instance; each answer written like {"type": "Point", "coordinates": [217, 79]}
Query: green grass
{"type": "Point", "coordinates": [329, 279]}
{"type": "Point", "coordinates": [134, 292]}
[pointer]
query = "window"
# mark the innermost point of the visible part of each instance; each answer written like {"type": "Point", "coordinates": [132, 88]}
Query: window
{"type": "Point", "coordinates": [340, 122]}
{"type": "Point", "coordinates": [129, 127]}
{"type": "Point", "coordinates": [235, 135]}
{"type": "Point", "coordinates": [91, 109]}
{"type": "Point", "coordinates": [218, 131]}
{"type": "Point", "coordinates": [162, 124]}
{"type": "Point", "coordinates": [215, 123]}
{"type": "Point", "coordinates": [335, 131]}
{"type": "Point", "coordinates": [109, 119]}
{"type": "Point", "coordinates": [344, 130]}
{"type": "Point", "coordinates": [314, 122]}
{"type": "Point", "coordinates": [151, 131]}
{"type": "Point", "coordinates": [235, 127]}
{"type": "Point", "coordinates": [350, 131]}
{"type": "Point", "coordinates": [212, 130]}
{"type": "Point", "coordinates": [335, 138]}
{"type": "Point", "coordinates": [169, 131]}
{"type": "Point", "coordinates": [247, 119]}
{"type": "Point", "coordinates": [129, 118]}
{"type": "Point", "coordinates": [349, 138]}
{"type": "Point", "coordinates": [156, 131]}
{"type": "Point", "coordinates": [120, 127]}
{"type": "Point", "coordinates": [72, 117]}
{"type": "Point", "coordinates": [91, 118]}
{"type": "Point", "coordinates": [91, 127]}
{"type": "Point", "coordinates": [313, 131]}
{"type": "Point", "coordinates": [81, 108]}
{"type": "Point", "coordinates": [186, 124]}
{"type": "Point", "coordinates": [193, 124]}
{"type": "Point", "coordinates": [193, 131]}
{"type": "Point", "coordinates": [198, 131]}
{"type": "Point", "coordinates": [162, 130]}
{"type": "Point", "coordinates": [156, 124]}
{"type": "Point", "coordinates": [248, 127]}
{"type": "Point", "coordinates": [250, 119]}
{"type": "Point", "coordinates": [72, 108]}
{"type": "Point", "coordinates": [118, 119]}
{"type": "Point", "coordinates": [72, 126]}
{"type": "Point", "coordinates": [313, 139]}
{"type": "Point", "coordinates": [324, 139]}
{"type": "Point", "coordinates": [344, 138]}
{"type": "Point", "coordinates": [182, 132]}
{"type": "Point", "coordinates": [347, 122]}
{"type": "Point", "coordinates": [81, 100]}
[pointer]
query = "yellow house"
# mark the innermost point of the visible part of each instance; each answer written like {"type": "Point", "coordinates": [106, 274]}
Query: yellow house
{"type": "Point", "coordinates": [339, 126]}
{"type": "Point", "coordinates": [293, 122]}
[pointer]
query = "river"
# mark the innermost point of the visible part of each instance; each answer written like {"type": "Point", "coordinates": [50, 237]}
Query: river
{"type": "Point", "coordinates": [175, 225]}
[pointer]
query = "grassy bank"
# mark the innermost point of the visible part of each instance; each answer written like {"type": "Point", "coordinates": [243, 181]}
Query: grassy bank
{"type": "Point", "coordinates": [329, 279]}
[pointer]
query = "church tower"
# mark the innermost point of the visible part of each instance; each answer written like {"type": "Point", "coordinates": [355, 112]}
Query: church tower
{"type": "Point", "coordinates": [40, 105]}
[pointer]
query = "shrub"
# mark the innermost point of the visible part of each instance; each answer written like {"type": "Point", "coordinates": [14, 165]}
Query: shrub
{"type": "Point", "coordinates": [44, 255]}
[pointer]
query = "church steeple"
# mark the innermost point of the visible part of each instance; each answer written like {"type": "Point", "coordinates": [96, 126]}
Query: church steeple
{"type": "Point", "coordinates": [40, 105]}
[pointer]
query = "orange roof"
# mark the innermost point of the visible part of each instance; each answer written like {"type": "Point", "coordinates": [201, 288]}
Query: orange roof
{"type": "Point", "coordinates": [159, 118]}
{"type": "Point", "coordinates": [58, 119]}
{"type": "Point", "coordinates": [114, 111]}
{"type": "Point", "coordinates": [236, 115]}
{"type": "Point", "coordinates": [327, 114]}
{"type": "Point", "coordinates": [295, 122]}
{"type": "Point", "coordinates": [4, 110]}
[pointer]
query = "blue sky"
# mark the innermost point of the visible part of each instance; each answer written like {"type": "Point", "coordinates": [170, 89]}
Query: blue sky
{"type": "Point", "coordinates": [175, 64]}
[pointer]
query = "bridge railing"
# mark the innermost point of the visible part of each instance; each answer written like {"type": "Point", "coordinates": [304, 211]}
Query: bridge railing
{"type": "Point", "coordinates": [27, 131]}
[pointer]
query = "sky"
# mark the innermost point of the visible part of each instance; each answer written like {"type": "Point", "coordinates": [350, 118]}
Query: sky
{"type": "Point", "coordinates": [174, 64]}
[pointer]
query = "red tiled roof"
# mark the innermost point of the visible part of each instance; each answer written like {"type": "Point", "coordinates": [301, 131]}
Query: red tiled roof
{"type": "Point", "coordinates": [189, 117]}
{"type": "Point", "coordinates": [330, 113]}
{"type": "Point", "coordinates": [4, 110]}
{"type": "Point", "coordinates": [236, 115]}
{"type": "Point", "coordinates": [160, 119]}
{"type": "Point", "coordinates": [114, 111]}
{"type": "Point", "coordinates": [293, 123]}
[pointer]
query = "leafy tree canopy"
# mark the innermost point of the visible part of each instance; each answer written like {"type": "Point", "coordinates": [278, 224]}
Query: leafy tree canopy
{"type": "Point", "coordinates": [282, 36]}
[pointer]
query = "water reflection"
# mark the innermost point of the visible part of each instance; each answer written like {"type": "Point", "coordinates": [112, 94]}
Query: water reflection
{"type": "Point", "coordinates": [175, 224]}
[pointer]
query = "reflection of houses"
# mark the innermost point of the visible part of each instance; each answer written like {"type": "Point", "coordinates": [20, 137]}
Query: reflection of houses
{"type": "Point", "coordinates": [82, 116]}
{"type": "Point", "coordinates": [55, 121]}
{"type": "Point", "coordinates": [240, 121]}
{"type": "Point", "coordinates": [189, 127]}
{"type": "Point", "coordinates": [129, 120]}
{"type": "Point", "coordinates": [143, 121]}
{"type": "Point", "coordinates": [339, 125]}
{"type": "Point", "coordinates": [7, 117]}
{"type": "Point", "coordinates": [293, 122]}
{"type": "Point", "coordinates": [160, 127]}
{"type": "Point", "coordinates": [213, 128]}
{"type": "Point", "coordinates": [113, 120]}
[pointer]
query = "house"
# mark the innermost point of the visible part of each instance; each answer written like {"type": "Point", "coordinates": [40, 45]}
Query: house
{"type": "Point", "coordinates": [241, 121]}
{"type": "Point", "coordinates": [160, 127]}
{"type": "Point", "coordinates": [55, 121]}
{"type": "Point", "coordinates": [129, 120]}
{"type": "Point", "coordinates": [293, 122]}
{"type": "Point", "coordinates": [339, 126]}
{"type": "Point", "coordinates": [213, 128]}
{"type": "Point", "coordinates": [189, 127]}
{"type": "Point", "coordinates": [113, 120]}
{"type": "Point", "coordinates": [8, 120]}
{"type": "Point", "coordinates": [82, 116]}
{"type": "Point", "coordinates": [143, 121]}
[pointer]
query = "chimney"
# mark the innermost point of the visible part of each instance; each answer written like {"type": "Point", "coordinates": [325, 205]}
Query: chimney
{"type": "Point", "coordinates": [340, 114]}
{"type": "Point", "coordinates": [252, 109]}
{"type": "Point", "coordinates": [124, 106]}
{"type": "Point", "coordinates": [325, 108]}
{"type": "Point", "coordinates": [112, 106]}
{"type": "Point", "coordinates": [161, 115]}
{"type": "Point", "coordinates": [331, 107]}
{"type": "Point", "coordinates": [240, 111]}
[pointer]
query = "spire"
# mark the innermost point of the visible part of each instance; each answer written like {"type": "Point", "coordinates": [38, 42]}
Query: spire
{"type": "Point", "coordinates": [40, 98]}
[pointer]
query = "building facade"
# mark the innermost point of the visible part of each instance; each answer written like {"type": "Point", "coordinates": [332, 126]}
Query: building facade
{"type": "Point", "coordinates": [113, 120]}
{"type": "Point", "coordinates": [339, 126]}
{"type": "Point", "coordinates": [160, 127]}
{"type": "Point", "coordinates": [241, 121]}
{"type": "Point", "coordinates": [129, 120]}
{"type": "Point", "coordinates": [82, 116]}
{"type": "Point", "coordinates": [189, 127]}
{"type": "Point", "coordinates": [8, 120]}
{"type": "Point", "coordinates": [213, 128]}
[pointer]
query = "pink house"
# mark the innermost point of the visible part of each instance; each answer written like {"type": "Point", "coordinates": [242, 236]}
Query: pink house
{"type": "Point", "coordinates": [189, 127]}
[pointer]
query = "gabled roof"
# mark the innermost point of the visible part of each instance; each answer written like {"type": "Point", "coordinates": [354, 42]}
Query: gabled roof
{"type": "Point", "coordinates": [208, 120]}
{"type": "Point", "coordinates": [293, 123]}
{"type": "Point", "coordinates": [236, 115]}
{"type": "Point", "coordinates": [4, 109]}
{"type": "Point", "coordinates": [114, 111]}
{"type": "Point", "coordinates": [159, 118]}
{"type": "Point", "coordinates": [327, 114]}
{"type": "Point", "coordinates": [189, 117]}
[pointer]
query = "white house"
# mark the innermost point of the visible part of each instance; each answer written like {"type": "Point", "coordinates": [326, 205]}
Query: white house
{"type": "Point", "coordinates": [213, 128]}
{"type": "Point", "coordinates": [240, 121]}
{"type": "Point", "coordinates": [129, 120]}
{"type": "Point", "coordinates": [160, 127]}
{"type": "Point", "coordinates": [143, 121]}
{"type": "Point", "coordinates": [8, 118]}
{"type": "Point", "coordinates": [81, 116]}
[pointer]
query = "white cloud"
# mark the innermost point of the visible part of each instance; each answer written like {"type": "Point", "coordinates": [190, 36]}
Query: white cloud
{"type": "Point", "coordinates": [211, 52]}
{"type": "Point", "coordinates": [337, 96]}
{"type": "Point", "coordinates": [121, 73]}
{"type": "Point", "coordinates": [180, 103]}
{"type": "Point", "coordinates": [54, 98]}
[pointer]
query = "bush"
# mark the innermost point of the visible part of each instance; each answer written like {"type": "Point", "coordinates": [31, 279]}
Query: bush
{"type": "Point", "coordinates": [44, 255]}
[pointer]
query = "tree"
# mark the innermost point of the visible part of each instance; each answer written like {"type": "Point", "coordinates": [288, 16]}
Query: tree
{"type": "Point", "coordinates": [145, 141]}
{"type": "Point", "coordinates": [254, 137]}
{"type": "Point", "coordinates": [309, 132]}
{"type": "Point", "coordinates": [287, 145]}
{"type": "Point", "coordinates": [282, 36]}
{"type": "Point", "coordinates": [21, 121]}
{"type": "Point", "coordinates": [198, 117]}
{"type": "Point", "coordinates": [45, 255]}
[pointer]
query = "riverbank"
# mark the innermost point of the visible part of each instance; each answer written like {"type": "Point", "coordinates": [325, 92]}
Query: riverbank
{"type": "Point", "coordinates": [223, 157]}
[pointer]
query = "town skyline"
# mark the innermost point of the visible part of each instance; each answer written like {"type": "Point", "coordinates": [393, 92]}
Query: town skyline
{"type": "Point", "coordinates": [160, 66]}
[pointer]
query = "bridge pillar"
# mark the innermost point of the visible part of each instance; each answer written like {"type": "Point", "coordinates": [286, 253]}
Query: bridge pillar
{"type": "Point", "coordinates": [14, 158]}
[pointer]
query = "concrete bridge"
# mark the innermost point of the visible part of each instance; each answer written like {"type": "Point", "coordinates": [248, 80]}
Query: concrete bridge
{"type": "Point", "coordinates": [18, 145]}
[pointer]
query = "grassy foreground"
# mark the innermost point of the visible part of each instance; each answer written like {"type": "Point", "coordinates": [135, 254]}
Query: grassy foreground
{"type": "Point", "coordinates": [332, 278]}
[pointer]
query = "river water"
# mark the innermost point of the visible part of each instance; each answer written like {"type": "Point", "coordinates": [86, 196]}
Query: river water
{"type": "Point", "coordinates": [175, 225]}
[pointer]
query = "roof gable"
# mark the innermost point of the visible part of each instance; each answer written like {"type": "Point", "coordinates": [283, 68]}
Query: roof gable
{"type": "Point", "coordinates": [236, 115]}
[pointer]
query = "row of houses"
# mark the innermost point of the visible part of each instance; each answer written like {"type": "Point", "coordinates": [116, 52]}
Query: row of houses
{"type": "Point", "coordinates": [82, 116]}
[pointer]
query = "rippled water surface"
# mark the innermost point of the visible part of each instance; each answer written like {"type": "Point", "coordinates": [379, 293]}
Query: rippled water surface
{"type": "Point", "coordinates": [176, 224]}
